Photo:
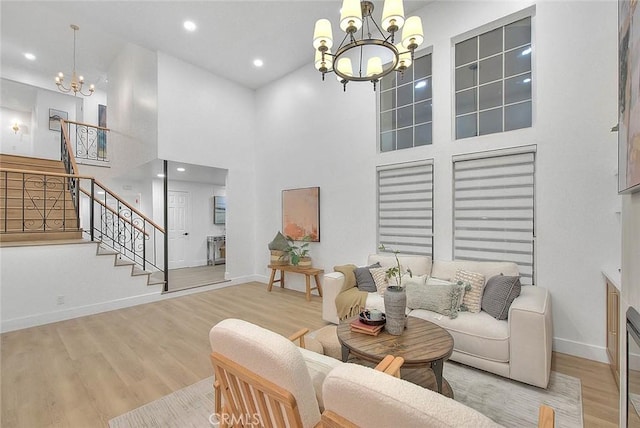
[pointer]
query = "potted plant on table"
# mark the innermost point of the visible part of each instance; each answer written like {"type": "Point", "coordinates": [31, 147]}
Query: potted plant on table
{"type": "Point", "coordinates": [299, 254]}
{"type": "Point", "coordinates": [395, 297]}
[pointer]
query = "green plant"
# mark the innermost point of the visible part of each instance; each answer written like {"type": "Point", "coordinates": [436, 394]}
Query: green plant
{"type": "Point", "coordinates": [298, 251]}
{"type": "Point", "coordinates": [395, 271]}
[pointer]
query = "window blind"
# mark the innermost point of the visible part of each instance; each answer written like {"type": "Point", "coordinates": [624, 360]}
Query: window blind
{"type": "Point", "coordinates": [405, 207]}
{"type": "Point", "coordinates": [494, 211]}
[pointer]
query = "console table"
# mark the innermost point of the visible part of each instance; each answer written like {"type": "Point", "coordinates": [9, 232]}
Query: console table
{"type": "Point", "coordinates": [308, 272]}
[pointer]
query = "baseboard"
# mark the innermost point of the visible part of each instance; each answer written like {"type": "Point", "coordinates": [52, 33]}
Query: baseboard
{"type": "Point", "coordinates": [579, 349]}
{"type": "Point", "coordinates": [96, 308]}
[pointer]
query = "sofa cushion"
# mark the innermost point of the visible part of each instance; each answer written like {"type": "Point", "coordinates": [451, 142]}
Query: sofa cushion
{"type": "Point", "coordinates": [479, 335]}
{"type": "Point", "coordinates": [419, 265]}
{"type": "Point", "coordinates": [364, 280]}
{"type": "Point", "coordinates": [318, 366]}
{"type": "Point", "coordinates": [499, 293]}
{"type": "Point", "coordinates": [446, 269]}
{"type": "Point", "coordinates": [473, 296]}
{"type": "Point", "coordinates": [349, 275]}
{"type": "Point", "coordinates": [441, 298]}
{"type": "Point", "coordinates": [380, 279]}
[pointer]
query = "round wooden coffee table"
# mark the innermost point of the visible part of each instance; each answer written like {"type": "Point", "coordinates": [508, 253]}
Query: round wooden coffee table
{"type": "Point", "coordinates": [422, 344]}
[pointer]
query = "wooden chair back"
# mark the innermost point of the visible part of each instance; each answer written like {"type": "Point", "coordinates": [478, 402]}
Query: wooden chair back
{"type": "Point", "coordinates": [249, 399]}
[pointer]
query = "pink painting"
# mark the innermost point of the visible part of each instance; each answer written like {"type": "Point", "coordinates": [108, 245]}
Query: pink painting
{"type": "Point", "coordinates": [301, 214]}
{"type": "Point", "coordinates": [629, 96]}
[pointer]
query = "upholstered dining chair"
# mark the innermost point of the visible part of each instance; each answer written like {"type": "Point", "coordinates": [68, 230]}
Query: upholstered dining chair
{"type": "Point", "coordinates": [262, 378]}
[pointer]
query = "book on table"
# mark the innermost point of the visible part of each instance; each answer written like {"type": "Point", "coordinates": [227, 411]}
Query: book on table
{"type": "Point", "coordinates": [360, 327]}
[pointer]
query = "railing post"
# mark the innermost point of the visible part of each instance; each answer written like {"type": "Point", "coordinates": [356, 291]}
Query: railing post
{"type": "Point", "coordinates": [6, 198]}
{"type": "Point", "coordinates": [144, 244]}
{"type": "Point", "coordinates": [91, 208]}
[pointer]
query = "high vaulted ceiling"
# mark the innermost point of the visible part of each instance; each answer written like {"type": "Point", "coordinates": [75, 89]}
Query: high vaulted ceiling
{"type": "Point", "coordinates": [230, 34]}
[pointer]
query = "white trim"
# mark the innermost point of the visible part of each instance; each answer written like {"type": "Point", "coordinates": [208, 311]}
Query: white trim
{"type": "Point", "coordinates": [408, 164]}
{"type": "Point", "coordinates": [579, 349]}
{"type": "Point", "coordinates": [532, 148]}
{"type": "Point", "coordinates": [529, 11]}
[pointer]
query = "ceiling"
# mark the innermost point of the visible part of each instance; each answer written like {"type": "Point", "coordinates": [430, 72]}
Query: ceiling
{"type": "Point", "coordinates": [230, 34]}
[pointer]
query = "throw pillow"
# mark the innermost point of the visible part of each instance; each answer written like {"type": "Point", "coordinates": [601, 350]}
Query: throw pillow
{"type": "Point", "coordinates": [499, 293]}
{"type": "Point", "coordinates": [420, 281]}
{"type": "Point", "coordinates": [380, 279]}
{"type": "Point", "coordinates": [441, 298]}
{"type": "Point", "coordinates": [436, 281]}
{"type": "Point", "coordinates": [349, 276]}
{"type": "Point", "coordinates": [279, 243]}
{"type": "Point", "coordinates": [364, 280]}
{"type": "Point", "coordinates": [473, 297]}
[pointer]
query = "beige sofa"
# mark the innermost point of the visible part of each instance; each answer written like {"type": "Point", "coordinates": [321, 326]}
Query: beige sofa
{"type": "Point", "coordinates": [518, 348]}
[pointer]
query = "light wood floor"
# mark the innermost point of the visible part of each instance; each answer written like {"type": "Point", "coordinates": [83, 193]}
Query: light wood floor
{"type": "Point", "coordinates": [83, 372]}
{"type": "Point", "coordinates": [181, 279]}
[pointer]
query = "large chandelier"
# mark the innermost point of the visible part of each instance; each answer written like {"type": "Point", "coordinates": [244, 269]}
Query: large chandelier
{"type": "Point", "coordinates": [374, 52]}
{"type": "Point", "coordinates": [76, 81]}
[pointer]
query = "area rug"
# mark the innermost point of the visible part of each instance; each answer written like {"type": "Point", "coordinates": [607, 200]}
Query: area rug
{"type": "Point", "coordinates": [509, 403]}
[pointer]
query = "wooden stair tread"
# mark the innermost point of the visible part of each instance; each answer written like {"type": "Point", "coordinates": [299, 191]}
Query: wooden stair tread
{"type": "Point", "coordinates": [40, 236]}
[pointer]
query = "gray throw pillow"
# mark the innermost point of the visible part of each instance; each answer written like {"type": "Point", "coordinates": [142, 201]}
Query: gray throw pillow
{"type": "Point", "coordinates": [499, 294]}
{"type": "Point", "coordinates": [364, 279]}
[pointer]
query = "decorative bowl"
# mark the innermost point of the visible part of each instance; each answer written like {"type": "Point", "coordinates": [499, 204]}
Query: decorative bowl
{"type": "Point", "coordinates": [364, 317]}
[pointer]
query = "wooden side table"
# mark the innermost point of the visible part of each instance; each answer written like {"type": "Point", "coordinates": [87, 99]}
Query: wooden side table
{"type": "Point", "coordinates": [308, 272]}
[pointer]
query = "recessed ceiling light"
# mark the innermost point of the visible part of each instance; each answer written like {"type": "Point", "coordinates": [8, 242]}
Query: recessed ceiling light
{"type": "Point", "coordinates": [527, 51]}
{"type": "Point", "coordinates": [190, 26]}
{"type": "Point", "coordinates": [161, 175]}
{"type": "Point", "coordinates": [180, 169]}
{"type": "Point", "coordinates": [527, 80]}
{"type": "Point", "coordinates": [421, 84]}
{"type": "Point", "coordinates": [30, 56]}
{"type": "Point", "coordinates": [258, 62]}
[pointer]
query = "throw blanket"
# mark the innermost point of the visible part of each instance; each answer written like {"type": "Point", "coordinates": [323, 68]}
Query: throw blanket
{"type": "Point", "coordinates": [350, 303]}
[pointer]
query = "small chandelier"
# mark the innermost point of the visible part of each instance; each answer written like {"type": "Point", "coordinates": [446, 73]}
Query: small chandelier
{"type": "Point", "coordinates": [76, 81]}
{"type": "Point", "coordinates": [375, 53]}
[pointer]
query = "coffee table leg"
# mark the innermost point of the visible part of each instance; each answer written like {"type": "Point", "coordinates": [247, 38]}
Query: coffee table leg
{"type": "Point", "coordinates": [437, 366]}
{"type": "Point", "coordinates": [345, 353]}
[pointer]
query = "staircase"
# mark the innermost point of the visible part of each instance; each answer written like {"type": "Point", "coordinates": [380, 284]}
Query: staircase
{"type": "Point", "coordinates": [37, 204]}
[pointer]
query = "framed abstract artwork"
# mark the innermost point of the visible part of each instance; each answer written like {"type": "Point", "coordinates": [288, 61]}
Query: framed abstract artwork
{"type": "Point", "coordinates": [54, 116]}
{"type": "Point", "coordinates": [301, 213]}
{"type": "Point", "coordinates": [629, 96]}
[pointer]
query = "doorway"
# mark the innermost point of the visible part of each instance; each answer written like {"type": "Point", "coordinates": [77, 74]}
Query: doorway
{"type": "Point", "coordinates": [178, 216]}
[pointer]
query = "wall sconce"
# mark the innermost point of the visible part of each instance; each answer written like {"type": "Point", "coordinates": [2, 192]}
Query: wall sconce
{"type": "Point", "coordinates": [15, 127]}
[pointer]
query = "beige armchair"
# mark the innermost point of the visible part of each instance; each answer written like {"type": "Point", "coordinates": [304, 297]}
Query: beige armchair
{"type": "Point", "coordinates": [264, 379]}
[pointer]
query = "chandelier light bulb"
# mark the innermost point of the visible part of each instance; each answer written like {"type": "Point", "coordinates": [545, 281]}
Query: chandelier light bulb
{"type": "Point", "coordinates": [323, 65]}
{"type": "Point", "coordinates": [412, 35]}
{"type": "Point", "coordinates": [344, 66]}
{"type": "Point", "coordinates": [351, 16]}
{"type": "Point", "coordinates": [404, 58]}
{"type": "Point", "coordinates": [392, 15]}
{"type": "Point", "coordinates": [322, 35]}
{"type": "Point", "coordinates": [374, 66]}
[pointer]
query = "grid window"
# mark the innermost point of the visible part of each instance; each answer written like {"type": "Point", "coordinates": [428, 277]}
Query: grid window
{"type": "Point", "coordinates": [493, 210]}
{"type": "Point", "coordinates": [405, 207]}
{"type": "Point", "coordinates": [405, 107]}
{"type": "Point", "coordinates": [493, 81]}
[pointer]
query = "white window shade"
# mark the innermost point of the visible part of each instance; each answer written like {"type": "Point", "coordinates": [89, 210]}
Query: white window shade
{"type": "Point", "coordinates": [405, 207]}
{"type": "Point", "coordinates": [494, 210]}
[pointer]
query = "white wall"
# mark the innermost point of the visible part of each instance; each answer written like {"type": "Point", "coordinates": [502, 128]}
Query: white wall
{"type": "Point", "coordinates": [132, 109]}
{"type": "Point", "coordinates": [35, 278]}
{"type": "Point", "coordinates": [328, 139]}
{"type": "Point", "coordinates": [210, 121]}
{"type": "Point", "coordinates": [16, 143]}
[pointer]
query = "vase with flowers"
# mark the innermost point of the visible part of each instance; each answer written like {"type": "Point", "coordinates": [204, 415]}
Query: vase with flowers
{"type": "Point", "coordinates": [395, 297]}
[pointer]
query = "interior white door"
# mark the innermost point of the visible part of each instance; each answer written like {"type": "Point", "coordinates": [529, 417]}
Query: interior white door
{"type": "Point", "coordinates": [178, 215]}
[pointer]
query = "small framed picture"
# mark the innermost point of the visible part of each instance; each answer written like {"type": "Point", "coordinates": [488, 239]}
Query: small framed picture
{"type": "Point", "coordinates": [54, 118]}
